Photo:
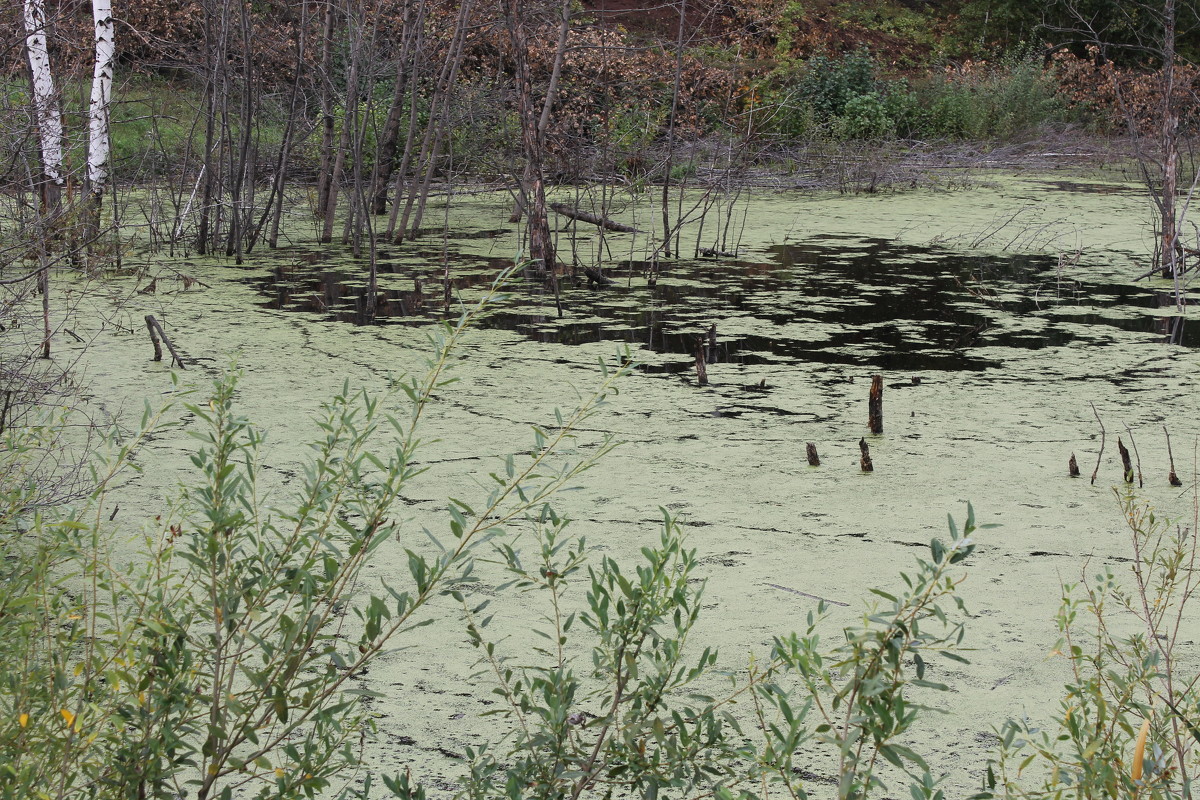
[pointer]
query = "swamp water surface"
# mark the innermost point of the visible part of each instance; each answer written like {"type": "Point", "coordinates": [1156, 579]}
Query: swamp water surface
{"type": "Point", "coordinates": [1015, 303]}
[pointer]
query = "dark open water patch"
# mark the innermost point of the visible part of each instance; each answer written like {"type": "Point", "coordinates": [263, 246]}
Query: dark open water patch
{"type": "Point", "coordinates": [829, 299]}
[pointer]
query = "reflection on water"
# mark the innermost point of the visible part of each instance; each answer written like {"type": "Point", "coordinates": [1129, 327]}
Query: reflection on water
{"type": "Point", "coordinates": [845, 300]}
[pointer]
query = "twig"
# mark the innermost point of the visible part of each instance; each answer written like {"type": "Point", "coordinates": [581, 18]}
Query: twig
{"type": "Point", "coordinates": [1099, 455]}
{"type": "Point", "coordinates": [806, 594]}
{"type": "Point", "coordinates": [1172, 478]}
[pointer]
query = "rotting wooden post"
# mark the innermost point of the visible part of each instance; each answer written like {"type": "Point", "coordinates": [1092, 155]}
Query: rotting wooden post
{"type": "Point", "coordinates": [875, 405]}
{"type": "Point", "coordinates": [712, 336]}
{"type": "Point", "coordinates": [865, 461]}
{"type": "Point", "coordinates": [1172, 478]}
{"type": "Point", "coordinates": [150, 323]}
{"type": "Point", "coordinates": [1073, 467]}
{"type": "Point", "coordinates": [1125, 460]}
{"type": "Point", "coordinates": [813, 459]}
{"type": "Point", "coordinates": [701, 372]}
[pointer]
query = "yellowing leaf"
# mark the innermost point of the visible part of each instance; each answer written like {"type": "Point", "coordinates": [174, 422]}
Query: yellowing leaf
{"type": "Point", "coordinates": [1139, 750]}
{"type": "Point", "coordinates": [24, 720]}
{"type": "Point", "coordinates": [68, 716]}
{"type": "Point", "coordinates": [278, 772]}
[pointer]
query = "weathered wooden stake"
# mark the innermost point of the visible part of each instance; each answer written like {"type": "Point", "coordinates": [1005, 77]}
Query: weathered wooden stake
{"type": "Point", "coordinates": [1125, 460]}
{"type": "Point", "coordinates": [1073, 467]}
{"type": "Point", "coordinates": [701, 372]}
{"type": "Point", "coordinates": [1173, 479]}
{"type": "Point", "coordinates": [712, 336]}
{"type": "Point", "coordinates": [865, 461]}
{"type": "Point", "coordinates": [813, 459]}
{"type": "Point", "coordinates": [875, 405]}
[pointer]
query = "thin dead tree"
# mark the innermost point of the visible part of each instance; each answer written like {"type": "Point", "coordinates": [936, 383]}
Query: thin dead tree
{"type": "Point", "coordinates": [534, 123]}
{"type": "Point", "coordinates": [1155, 31]}
{"type": "Point", "coordinates": [671, 121]}
{"type": "Point", "coordinates": [435, 130]}
{"type": "Point", "coordinates": [411, 36]}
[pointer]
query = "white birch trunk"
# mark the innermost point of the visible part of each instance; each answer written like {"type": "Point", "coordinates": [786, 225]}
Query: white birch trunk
{"type": "Point", "coordinates": [45, 99]}
{"type": "Point", "coordinates": [98, 109]}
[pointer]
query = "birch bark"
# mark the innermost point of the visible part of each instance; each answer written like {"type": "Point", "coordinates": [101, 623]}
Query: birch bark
{"type": "Point", "coordinates": [45, 103]}
{"type": "Point", "coordinates": [99, 141]}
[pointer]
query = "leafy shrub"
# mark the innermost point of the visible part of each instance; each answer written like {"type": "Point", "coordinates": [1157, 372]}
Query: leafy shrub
{"type": "Point", "coordinates": [221, 665]}
{"type": "Point", "coordinates": [866, 116]}
{"type": "Point", "coordinates": [629, 713]}
{"type": "Point", "coordinates": [828, 85]}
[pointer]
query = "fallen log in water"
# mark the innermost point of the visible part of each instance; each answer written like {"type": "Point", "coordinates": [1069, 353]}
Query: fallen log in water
{"type": "Point", "coordinates": [156, 331]}
{"type": "Point", "coordinates": [593, 219]}
{"type": "Point", "coordinates": [595, 276]}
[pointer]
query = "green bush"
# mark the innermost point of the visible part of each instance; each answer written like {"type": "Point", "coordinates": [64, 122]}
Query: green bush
{"type": "Point", "coordinates": [828, 85]}
{"type": "Point", "coordinates": [627, 713]}
{"type": "Point", "coordinates": [845, 98]}
{"type": "Point", "coordinates": [866, 116]}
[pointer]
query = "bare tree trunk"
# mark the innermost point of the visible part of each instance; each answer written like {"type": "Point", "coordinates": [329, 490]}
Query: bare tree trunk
{"type": "Point", "coordinates": [560, 52]}
{"type": "Point", "coordinates": [216, 43]}
{"type": "Point", "coordinates": [541, 245]}
{"type": "Point", "coordinates": [325, 177]}
{"type": "Point", "coordinates": [666, 189]}
{"type": "Point", "coordinates": [1169, 234]}
{"type": "Point", "coordinates": [389, 141]}
{"type": "Point", "coordinates": [241, 178]}
{"type": "Point", "coordinates": [435, 129]}
{"type": "Point", "coordinates": [274, 206]}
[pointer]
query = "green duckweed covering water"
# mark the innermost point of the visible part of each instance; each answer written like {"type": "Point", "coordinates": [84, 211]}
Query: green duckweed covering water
{"type": "Point", "coordinates": [1013, 302]}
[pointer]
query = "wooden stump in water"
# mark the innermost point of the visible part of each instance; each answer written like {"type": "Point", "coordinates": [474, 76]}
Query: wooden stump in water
{"type": "Point", "coordinates": [813, 459]}
{"type": "Point", "coordinates": [701, 372]}
{"type": "Point", "coordinates": [1125, 460]}
{"type": "Point", "coordinates": [865, 461]}
{"type": "Point", "coordinates": [1073, 467]}
{"type": "Point", "coordinates": [875, 405]}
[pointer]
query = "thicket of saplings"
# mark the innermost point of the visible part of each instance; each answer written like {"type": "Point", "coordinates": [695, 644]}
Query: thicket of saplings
{"type": "Point", "coordinates": [820, 100]}
{"type": "Point", "coordinates": [221, 660]}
